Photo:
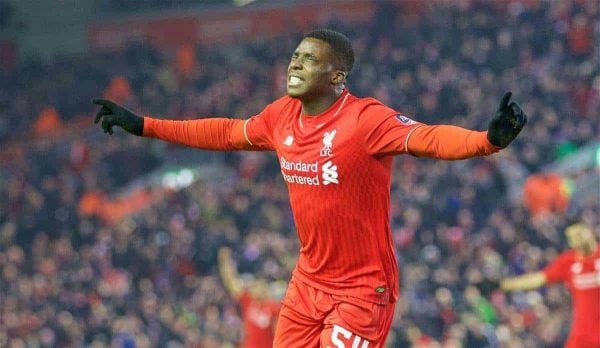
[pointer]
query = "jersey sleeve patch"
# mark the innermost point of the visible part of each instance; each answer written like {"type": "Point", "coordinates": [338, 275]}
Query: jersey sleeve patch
{"type": "Point", "coordinates": [405, 120]}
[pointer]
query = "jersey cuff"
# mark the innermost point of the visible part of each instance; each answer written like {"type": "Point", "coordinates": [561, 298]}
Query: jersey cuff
{"type": "Point", "coordinates": [408, 137]}
{"type": "Point", "coordinates": [246, 133]}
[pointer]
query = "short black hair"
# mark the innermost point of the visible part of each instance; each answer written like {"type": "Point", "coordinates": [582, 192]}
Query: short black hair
{"type": "Point", "coordinates": [342, 48]}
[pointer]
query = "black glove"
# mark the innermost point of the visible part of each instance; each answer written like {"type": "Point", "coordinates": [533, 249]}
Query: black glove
{"type": "Point", "coordinates": [112, 114]}
{"type": "Point", "coordinates": [507, 122]}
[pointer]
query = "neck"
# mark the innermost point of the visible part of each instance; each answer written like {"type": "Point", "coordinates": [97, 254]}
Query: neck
{"type": "Point", "coordinates": [319, 104]}
{"type": "Point", "coordinates": [587, 249]}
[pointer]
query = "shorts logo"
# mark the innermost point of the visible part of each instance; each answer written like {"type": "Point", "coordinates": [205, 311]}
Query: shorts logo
{"type": "Point", "coordinates": [403, 119]}
{"type": "Point", "coordinates": [327, 143]}
{"type": "Point", "coordinates": [340, 334]}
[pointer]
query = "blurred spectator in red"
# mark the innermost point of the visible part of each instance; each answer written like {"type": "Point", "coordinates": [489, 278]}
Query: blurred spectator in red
{"type": "Point", "coordinates": [580, 36]}
{"type": "Point", "coordinates": [186, 63]}
{"type": "Point", "coordinates": [259, 311]}
{"type": "Point", "coordinates": [546, 194]}
{"type": "Point", "coordinates": [48, 123]}
{"type": "Point", "coordinates": [118, 89]}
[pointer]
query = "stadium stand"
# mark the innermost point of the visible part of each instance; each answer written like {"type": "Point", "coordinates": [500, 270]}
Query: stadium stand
{"type": "Point", "coordinates": [72, 274]}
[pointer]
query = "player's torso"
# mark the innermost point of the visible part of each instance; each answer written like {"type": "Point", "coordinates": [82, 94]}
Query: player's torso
{"type": "Point", "coordinates": [584, 283]}
{"type": "Point", "coordinates": [585, 273]}
{"type": "Point", "coordinates": [260, 314]}
{"type": "Point", "coordinates": [324, 156]}
{"type": "Point", "coordinates": [339, 196]}
{"type": "Point", "coordinates": [259, 317]}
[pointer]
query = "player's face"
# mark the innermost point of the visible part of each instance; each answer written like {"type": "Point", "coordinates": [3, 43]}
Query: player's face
{"type": "Point", "coordinates": [311, 70]}
{"type": "Point", "coordinates": [580, 238]}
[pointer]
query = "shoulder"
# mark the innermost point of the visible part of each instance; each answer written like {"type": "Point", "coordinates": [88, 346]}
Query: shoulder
{"type": "Point", "coordinates": [559, 265]}
{"type": "Point", "coordinates": [366, 103]}
{"type": "Point", "coordinates": [245, 296]}
{"type": "Point", "coordinates": [371, 109]}
{"type": "Point", "coordinates": [567, 256]}
{"type": "Point", "coordinates": [279, 110]}
{"type": "Point", "coordinates": [372, 112]}
{"type": "Point", "coordinates": [283, 103]}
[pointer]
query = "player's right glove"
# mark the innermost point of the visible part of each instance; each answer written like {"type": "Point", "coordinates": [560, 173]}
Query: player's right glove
{"type": "Point", "coordinates": [507, 122]}
{"type": "Point", "coordinates": [112, 114]}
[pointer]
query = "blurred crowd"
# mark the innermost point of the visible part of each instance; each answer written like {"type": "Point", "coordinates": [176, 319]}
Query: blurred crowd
{"type": "Point", "coordinates": [6, 11]}
{"type": "Point", "coordinates": [70, 278]}
{"type": "Point", "coordinates": [132, 6]}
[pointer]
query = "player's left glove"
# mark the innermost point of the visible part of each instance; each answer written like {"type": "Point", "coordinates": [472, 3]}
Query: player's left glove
{"type": "Point", "coordinates": [507, 122]}
{"type": "Point", "coordinates": [112, 114]}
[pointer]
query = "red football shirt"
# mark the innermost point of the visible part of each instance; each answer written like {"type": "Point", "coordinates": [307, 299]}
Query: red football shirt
{"type": "Point", "coordinates": [337, 166]}
{"type": "Point", "coordinates": [581, 275]}
{"type": "Point", "coordinates": [259, 319]}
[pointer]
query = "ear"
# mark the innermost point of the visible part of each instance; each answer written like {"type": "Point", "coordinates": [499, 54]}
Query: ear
{"type": "Point", "coordinates": [339, 77]}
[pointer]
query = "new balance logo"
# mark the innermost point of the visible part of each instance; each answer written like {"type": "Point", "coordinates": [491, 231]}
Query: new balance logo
{"type": "Point", "coordinates": [289, 140]}
{"type": "Point", "coordinates": [330, 174]}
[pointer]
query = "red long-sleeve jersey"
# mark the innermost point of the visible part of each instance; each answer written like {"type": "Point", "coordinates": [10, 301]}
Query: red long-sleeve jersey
{"type": "Point", "coordinates": [581, 275]}
{"type": "Point", "coordinates": [337, 166]}
{"type": "Point", "coordinates": [259, 320]}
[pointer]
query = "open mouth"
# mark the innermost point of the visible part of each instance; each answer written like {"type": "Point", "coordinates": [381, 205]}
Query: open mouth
{"type": "Point", "coordinates": [294, 80]}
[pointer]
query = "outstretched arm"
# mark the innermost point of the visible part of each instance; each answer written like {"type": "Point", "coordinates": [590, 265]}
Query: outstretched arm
{"type": "Point", "coordinates": [452, 143]}
{"type": "Point", "coordinates": [221, 134]}
{"type": "Point", "coordinates": [527, 281]}
{"type": "Point", "coordinates": [229, 273]}
{"type": "Point", "coordinates": [449, 143]}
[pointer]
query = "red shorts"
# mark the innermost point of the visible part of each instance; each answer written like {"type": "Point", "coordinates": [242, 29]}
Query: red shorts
{"type": "Point", "coordinates": [311, 318]}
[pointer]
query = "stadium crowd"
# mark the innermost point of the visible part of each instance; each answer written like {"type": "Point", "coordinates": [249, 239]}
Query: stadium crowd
{"type": "Point", "coordinates": [70, 278]}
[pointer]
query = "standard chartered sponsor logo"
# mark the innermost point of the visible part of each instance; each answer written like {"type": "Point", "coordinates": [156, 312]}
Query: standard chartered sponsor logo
{"type": "Point", "coordinates": [298, 166]}
{"type": "Point", "coordinates": [302, 167]}
{"type": "Point", "coordinates": [589, 280]}
{"type": "Point", "coordinates": [330, 174]}
{"type": "Point", "coordinates": [307, 173]}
